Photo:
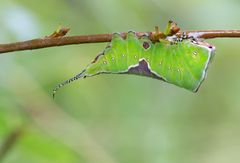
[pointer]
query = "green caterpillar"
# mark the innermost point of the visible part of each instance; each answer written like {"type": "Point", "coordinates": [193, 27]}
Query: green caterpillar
{"type": "Point", "coordinates": [179, 61]}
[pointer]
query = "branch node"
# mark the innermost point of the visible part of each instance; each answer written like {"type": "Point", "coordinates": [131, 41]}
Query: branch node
{"type": "Point", "coordinates": [60, 32]}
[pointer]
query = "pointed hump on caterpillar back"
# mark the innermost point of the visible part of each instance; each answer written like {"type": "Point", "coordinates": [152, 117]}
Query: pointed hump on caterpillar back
{"type": "Point", "coordinates": [131, 35]}
{"type": "Point", "coordinates": [116, 35]}
{"type": "Point", "coordinates": [131, 32]}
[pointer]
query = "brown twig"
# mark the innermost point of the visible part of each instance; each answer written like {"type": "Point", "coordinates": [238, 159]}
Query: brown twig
{"type": "Point", "coordinates": [69, 40]}
{"type": "Point", "coordinates": [210, 34]}
{"type": "Point", "coordinates": [10, 141]}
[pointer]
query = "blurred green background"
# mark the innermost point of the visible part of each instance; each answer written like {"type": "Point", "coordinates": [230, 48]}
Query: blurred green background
{"type": "Point", "coordinates": [115, 118]}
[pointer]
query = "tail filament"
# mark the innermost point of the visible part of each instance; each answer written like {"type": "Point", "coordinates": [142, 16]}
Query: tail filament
{"type": "Point", "coordinates": [67, 82]}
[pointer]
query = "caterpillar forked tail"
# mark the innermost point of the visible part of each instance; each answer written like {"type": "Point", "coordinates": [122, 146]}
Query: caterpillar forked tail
{"type": "Point", "coordinates": [78, 76]}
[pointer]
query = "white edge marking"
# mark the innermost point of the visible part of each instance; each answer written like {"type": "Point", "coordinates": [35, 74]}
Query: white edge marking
{"type": "Point", "coordinates": [211, 52]}
{"type": "Point", "coordinates": [132, 66]}
{"type": "Point", "coordinates": [149, 67]}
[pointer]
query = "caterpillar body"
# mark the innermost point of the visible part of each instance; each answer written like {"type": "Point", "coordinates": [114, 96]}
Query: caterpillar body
{"type": "Point", "coordinates": [179, 61]}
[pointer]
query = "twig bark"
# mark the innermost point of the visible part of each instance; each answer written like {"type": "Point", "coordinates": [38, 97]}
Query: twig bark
{"type": "Point", "coordinates": [69, 40]}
